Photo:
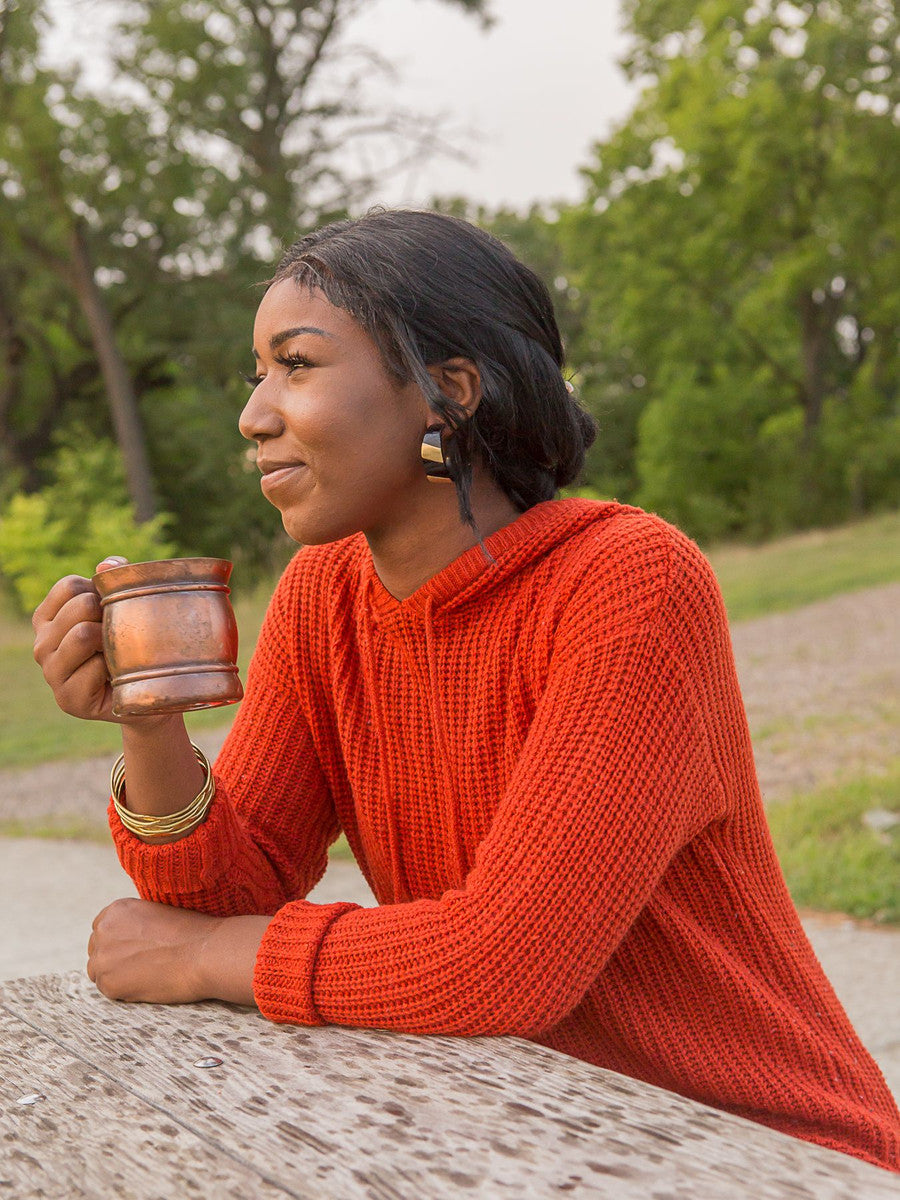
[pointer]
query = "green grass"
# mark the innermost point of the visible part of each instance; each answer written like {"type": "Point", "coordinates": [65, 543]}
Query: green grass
{"type": "Point", "coordinates": [34, 730]}
{"type": "Point", "coordinates": [66, 829]}
{"type": "Point", "coordinates": [831, 859]}
{"type": "Point", "coordinates": [773, 577]}
{"type": "Point", "coordinates": [341, 849]}
{"type": "Point", "coordinates": [796, 570]}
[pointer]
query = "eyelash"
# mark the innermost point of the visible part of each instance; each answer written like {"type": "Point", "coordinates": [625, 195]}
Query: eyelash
{"type": "Point", "coordinates": [288, 360]}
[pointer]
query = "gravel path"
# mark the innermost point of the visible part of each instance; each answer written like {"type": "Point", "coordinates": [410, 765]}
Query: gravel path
{"type": "Point", "coordinates": [821, 686]}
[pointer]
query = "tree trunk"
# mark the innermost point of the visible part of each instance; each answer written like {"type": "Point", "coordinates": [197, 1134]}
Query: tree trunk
{"type": "Point", "coordinates": [119, 390]}
{"type": "Point", "coordinates": [12, 354]}
{"type": "Point", "coordinates": [814, 346]}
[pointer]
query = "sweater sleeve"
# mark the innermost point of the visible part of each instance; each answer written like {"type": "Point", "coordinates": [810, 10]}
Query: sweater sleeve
{"type": "Point", "coordinates": [265, 840]}
{"type": "Point", "coordinates": [615, 777]}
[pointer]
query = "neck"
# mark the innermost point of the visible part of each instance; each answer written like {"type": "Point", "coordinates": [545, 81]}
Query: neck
{"type": "Point", "coordinates": [410, 551]}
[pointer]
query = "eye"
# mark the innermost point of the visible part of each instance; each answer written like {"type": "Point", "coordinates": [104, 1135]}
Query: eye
{"type": "Point", "coordinates": [293, 361]}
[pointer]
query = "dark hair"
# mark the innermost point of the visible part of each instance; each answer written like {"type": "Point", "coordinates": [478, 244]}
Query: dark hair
{"type": "Point", "coordinates": [428, 287]}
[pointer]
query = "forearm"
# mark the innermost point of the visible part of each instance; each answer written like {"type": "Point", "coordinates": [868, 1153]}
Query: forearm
{"type": "Point", "coordinates": [251, 854]}
{"type": "Point", "coordinates": [162, 774]}
{"type": "Point", "coordinates": [266, 836]}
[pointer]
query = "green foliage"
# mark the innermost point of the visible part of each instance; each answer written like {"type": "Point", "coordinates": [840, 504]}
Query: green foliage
{"type": "Point", "coordinates": [69, 829]}
{"type": "Point", "coordinates": [72, 524]}
{"type": "Point", "coordinates": [838, 849]}
{"type": "Point", "coordinates": [682, 440]}
{"type": "Point", "coordinates": [341, 850]}
{"type": "Point", "coordinates": [226, 130]}
{"type": "Point", "coordinates": [727, 288]}
{"type": "Point", "coordinates": [738, 249]}
{"type": "Point", "coordinates": [206, 473]}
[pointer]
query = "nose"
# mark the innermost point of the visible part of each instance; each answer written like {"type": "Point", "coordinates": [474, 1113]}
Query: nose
{"type": "Point", "coordinates": [260, 418]}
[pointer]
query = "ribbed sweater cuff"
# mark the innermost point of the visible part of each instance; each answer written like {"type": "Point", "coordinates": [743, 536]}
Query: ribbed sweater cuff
{"type": "Point", "coordinates": [192, 864]}
{"type": "Point", "coordinates": [286, 961]}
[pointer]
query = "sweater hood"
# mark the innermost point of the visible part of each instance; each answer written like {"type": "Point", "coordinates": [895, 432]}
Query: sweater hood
{"type": "Point", "coordinates": [530, 536]}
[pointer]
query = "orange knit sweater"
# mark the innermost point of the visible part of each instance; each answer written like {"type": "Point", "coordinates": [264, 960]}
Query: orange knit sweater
{"type": "Point", "coordinates": [543, 768]}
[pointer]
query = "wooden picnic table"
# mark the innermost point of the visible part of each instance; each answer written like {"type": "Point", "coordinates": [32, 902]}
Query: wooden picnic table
{"type": "Point", "coordinates": [105, 1099]}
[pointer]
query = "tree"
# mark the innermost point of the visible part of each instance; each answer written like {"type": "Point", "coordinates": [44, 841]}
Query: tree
{"type": "Point", "coordinates": [259, 100]}
{"type": "Point", "coordinates": [48, 174]}
{"type": "Point", "coordinates": [268, 96]}
{"type": "Point", "coordinates": [738, 245]}
{"type": "Point", "coordinates": [139, 216]}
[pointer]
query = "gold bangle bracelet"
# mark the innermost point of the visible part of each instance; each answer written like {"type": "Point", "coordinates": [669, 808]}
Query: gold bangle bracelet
{"type": "Point", "coordinates": [183, 821]}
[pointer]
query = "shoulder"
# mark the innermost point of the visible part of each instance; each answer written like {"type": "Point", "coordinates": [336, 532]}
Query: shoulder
{"type": "Point", "coordinates": [314, 570]}
{"type": "Point", "coordinates": [295, 620]}
{"type": "Point", "coordinates": [307, 587]}
{"type": "Point", "coordinates": [630, 567]}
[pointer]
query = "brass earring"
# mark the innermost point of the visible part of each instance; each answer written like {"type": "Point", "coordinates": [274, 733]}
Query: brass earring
{"type": "Point", "coordinates": [433, 455]}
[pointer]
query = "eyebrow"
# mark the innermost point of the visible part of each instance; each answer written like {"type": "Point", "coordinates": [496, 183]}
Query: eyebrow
{"type": "Point", "coordinates": [286, 334]}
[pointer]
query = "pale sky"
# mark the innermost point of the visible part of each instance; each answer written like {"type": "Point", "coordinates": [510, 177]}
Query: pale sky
{"type": "Point", "coordinates": [538, 88]}
{"type": "Point", "coordinates": [525, 99]}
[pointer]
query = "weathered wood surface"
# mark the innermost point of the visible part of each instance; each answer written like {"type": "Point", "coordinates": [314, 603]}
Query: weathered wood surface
{"type": "Point", "coordinates": [78, 1133]}
{"type": "Point", "coordinates": [346, 1114]}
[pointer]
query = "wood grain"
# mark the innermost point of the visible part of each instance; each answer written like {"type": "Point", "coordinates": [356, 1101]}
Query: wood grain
{"type": "Point", "coordinates": [87, 1136]}
{"type": "Point", "coordinates": [339, 1114]}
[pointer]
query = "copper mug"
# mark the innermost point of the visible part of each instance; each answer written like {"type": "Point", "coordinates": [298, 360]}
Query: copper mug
{"type": "Point", "coordinates": [170, 639]}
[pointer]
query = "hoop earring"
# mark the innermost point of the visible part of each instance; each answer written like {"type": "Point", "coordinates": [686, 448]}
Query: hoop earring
{"type": "Point", "coordinates": [436, 467]}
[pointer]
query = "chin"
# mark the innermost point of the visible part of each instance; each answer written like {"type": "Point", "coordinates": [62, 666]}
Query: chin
{"type": "Point", "coordinates": [307, 530]}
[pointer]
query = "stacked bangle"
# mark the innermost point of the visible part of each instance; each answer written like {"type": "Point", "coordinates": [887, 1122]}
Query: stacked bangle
{"type": "Point", "coordinates": [182, 822]}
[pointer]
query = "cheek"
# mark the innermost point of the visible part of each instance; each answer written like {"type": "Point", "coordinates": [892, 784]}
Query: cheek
{"type": "Point", "coordinates": [323, 420]}
{"type": "Point", "coordinates": [370, 444]}
{"type": "Point", "coordinates": [361, 475]}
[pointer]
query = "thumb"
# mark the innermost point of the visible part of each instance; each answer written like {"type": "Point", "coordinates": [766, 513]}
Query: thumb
{"type": "Point", "coordinates": [111, 560]}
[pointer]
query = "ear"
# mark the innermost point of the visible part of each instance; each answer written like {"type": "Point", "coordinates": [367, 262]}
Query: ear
{"type": "Point", "coordinates": [460, 380]}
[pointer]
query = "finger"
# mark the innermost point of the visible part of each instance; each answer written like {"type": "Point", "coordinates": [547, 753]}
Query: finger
{"type": "Point", "coordinates": [64, 589]}
{"type": "Point", "coordinates": [95, 924]}
{"type": "Point", "coordinates": [111, 560]}
{"type": "Point", "coordinates": [83, 606]}
{"type": "Point", "coordinates": [79, 645]}
{"type": "Point", "coordinates": [88, 692]}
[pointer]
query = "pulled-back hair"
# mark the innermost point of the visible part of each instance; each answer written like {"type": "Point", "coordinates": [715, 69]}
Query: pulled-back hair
{"type": "Point", "coordinates": [428, 287]}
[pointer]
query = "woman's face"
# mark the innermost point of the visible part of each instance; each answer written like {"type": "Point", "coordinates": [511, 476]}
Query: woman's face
{"type": "Point", "coordinates": [338, 438]}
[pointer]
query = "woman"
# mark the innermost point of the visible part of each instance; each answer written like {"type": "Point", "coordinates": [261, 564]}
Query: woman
{"type": "Point", "coordinates": [522, 711]}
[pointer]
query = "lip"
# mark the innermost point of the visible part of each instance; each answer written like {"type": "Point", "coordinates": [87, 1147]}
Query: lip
{"type": "Point", "coordinates": [274, 474]}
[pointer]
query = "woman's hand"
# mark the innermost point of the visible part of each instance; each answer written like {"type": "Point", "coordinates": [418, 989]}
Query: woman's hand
{"type": "Point", "coordinates": [68, 646]}
{"type": "Point", "coordinates": [140, 950]}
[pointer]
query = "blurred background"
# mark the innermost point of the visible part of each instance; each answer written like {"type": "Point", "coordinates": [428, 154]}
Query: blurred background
{"type": "Point", "coordinates": [708, 187]}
